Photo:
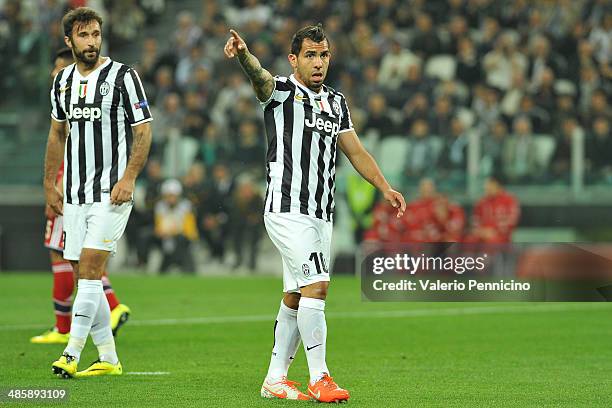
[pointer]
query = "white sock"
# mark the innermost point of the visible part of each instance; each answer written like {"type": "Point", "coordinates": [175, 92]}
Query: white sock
{"type": "Point", "coordinates": [84, 311]}
{"type": "Point", "coordinates": [286, 342]}
{"type": "Point", "coordinates": [313, 331]}
{"type": "Point", "coordinates": [102, 334]}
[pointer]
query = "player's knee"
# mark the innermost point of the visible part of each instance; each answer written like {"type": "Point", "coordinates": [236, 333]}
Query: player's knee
{"type": "Point", "coordinates": [92, 264]}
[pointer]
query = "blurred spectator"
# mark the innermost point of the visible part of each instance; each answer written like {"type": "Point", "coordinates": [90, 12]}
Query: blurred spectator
{"type": "Point", "coordinates": [457, 30]}
{"type": "Point", "coordinates": [415, 109]}
{"type": "Point", "coordinates": [422, 153]}
{"type": "Point", "coordinates": [520, 153]}
{"type": "Point", "coordinates": [486, 106]}
{"type": "Point", "coordinates": [441, 117]}
{"type": "Point", "coordinates": [468, 63]}
{"type": "Point", "coordinates": [495, 216]}
{"type": "Point", "coordinates": [195, 119]}
{"type": "Point", "coordinates": [562, 157]}
{"type": "Point", "coordinates": [503, 61]}
{"type": "Point", "coordinates": [247, 207]}
{"type": "Point", "coordinates": [538, 117]}
{"type": "Point", "coordinates": [493, 143]}
{"type": "Point", "coordinates": [450, 219]}
{"type": "Point", "coordinates": [453, 159]}
{"type": "Point", "coordinates": [188, 64]}
{"type": "Point", "coordinates": [599, 107]}
{"type": "Point", "coordinates": [251, 16]}
{"type": "Point", "coordinates": [545, 93]}
{"type": "Point", "coordinates": [589, 82]}
{"type": "Point", "coordinates": [212, 149]}
{"type": "Point", "coordinates": [164, 85]}
{"type": "Point", "coordinates": [541, 57]}
{"type": "Point", "coordinates": [379, 121]}
{"type": "Point", "coordinates": [235, 88]}
{"type": "Point", "coordinates": [250, 151]}
{"type": "Point", "coordinates": [140, 231]}
{"type": "Point", "coordinates": [394, 66]}
{"type": "Point", "coordinates": [565, 108]}
{"type": "Point", "coordinates": [126, 21]}
{"type": "Point", "coordinates": [599, 151]}
{"type": "Point", "coordinates": [149, 59]}
{"type": "Point", "coordinates": [170, 117]}
{"type": "Point", "coordinates": [214, 211]}
{"type": "Point", "coordinates": [194, 184]}
{"type": "Point", "coordinates": [425, 42]}
{"type": "Point", "coordinates": [601, 38]}
{"type": "Point", "coordinates": [187, 34]}
{"type": "Point", "coordinates": [175, 227]}
{"type": "Point", "coordinates": [420, 224]}
{"type": "Point", "coordinates": [386, 226]}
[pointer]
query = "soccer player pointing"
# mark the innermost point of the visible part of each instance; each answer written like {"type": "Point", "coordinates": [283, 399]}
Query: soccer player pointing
{"type": "Point", "coordinates": [104, 150]}
{"type": "Point", "coordinates": [305, 122]}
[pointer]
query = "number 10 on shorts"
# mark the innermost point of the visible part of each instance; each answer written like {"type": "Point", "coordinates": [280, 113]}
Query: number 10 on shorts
{"type": "Point", "coordinates": [319, 261]}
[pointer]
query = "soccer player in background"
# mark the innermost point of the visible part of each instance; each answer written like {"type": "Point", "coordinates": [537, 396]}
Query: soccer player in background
{"type": "Point", "coordinates": [63, 275]}
{"type": "Point", "coordinates": [106, 147]}
{"type": "Point", "coordinates": [305, 122]}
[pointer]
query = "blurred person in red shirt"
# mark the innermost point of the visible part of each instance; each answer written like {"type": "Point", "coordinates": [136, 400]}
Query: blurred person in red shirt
{"type": "Point", "coordinates": [495, 215]}
{"type": "Point", "coordinates": [450, 219]}
{"type": "Point", "coordinates": [419, 221]}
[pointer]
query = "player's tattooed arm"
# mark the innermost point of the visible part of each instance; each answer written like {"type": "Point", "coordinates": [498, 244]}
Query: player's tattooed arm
{"type": "Point", "coordinates": [261, 79]}
{"type": "Point", "coordinates": [53, 159]}
{"type": "Point", "coordinates": [124, 189]}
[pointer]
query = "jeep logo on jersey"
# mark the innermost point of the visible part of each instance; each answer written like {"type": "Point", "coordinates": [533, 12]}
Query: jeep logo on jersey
{"type": "Point", "coordinates": [85, 112]}
{"type": "Point", "coordinates": [323, 126]}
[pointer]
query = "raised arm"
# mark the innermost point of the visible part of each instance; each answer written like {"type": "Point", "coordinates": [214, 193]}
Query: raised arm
{"type": "Point", "coordinates": [261, 79]}
{"type": "Point", "coordinates": [53, 159]}
{"type": "Point", "coordinates": [123, 190]}
{"type": "Point", "coordinates": [365, 165]}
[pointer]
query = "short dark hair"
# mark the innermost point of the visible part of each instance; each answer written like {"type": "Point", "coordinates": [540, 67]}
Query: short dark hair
{"type": "Point", "coordinates": [64, 53]}
{"type": "Point", "coordinates": [312, 32]}
{"type": "Point", "coordinates": [81, 16]}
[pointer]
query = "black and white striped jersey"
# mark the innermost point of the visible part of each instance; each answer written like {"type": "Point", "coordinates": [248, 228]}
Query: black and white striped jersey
{"type": "Point", "coordinates": [302, 129]}
{"type": "Point", "coordinates": [101, 109]}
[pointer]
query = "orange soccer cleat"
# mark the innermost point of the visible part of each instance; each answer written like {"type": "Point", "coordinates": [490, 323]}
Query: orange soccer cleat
{"type": "Point", "coordinates": [326, 390]}
{"type": "Point", "coordinates": [283, 389]}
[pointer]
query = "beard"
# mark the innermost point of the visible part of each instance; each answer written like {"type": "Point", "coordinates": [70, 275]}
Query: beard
{"type": "Point", "coordinates": [89, 57]}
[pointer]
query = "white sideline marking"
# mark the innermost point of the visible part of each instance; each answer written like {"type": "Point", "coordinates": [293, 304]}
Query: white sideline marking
{"type": "Point", "coordinates": [381, 314]}
{"type": "Point", "coordinates": [148, 373]}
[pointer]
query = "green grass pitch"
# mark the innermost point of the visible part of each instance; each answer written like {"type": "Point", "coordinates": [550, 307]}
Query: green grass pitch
{"type": "Point", "coordinates": [213, 337]}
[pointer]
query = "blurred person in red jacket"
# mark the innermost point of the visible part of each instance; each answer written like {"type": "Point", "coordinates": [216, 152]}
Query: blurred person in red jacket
{"type": "Point", "coordinates": [495, 215]}
{"type": "Point", "coordinates": [450, 219]}
{"type": "Point", "coordinates": [419, 222]}
{"type": "Point", "coordinates": [386, 227]}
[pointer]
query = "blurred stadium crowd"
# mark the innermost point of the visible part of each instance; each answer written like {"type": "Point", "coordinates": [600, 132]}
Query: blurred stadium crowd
{"type": "Point", "coordinates": [525, 84]}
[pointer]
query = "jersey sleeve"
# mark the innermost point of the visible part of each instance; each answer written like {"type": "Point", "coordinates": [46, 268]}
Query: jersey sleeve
{"type": "Point", "coordinates": [57, 112]}
{"type": "Point", "coordinates": [346, 123]}
{"type": "Point", "coordinates": [135, 101]}
{"type": "Point", "coordinates": [280, 92]}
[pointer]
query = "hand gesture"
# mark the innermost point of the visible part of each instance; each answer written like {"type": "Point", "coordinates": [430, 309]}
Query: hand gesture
{"type": "Point", "coordinates": [55, 201]}
{"type": "Point", "coordinates": [235, 45]}
{"type": "Point", "coordinates": [397, 201]}
{"type": "Point", "coordinates": [122, 192]}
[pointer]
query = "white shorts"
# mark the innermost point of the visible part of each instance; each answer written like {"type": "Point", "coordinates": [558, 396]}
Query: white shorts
{"type": "Point", "coordinates": [95, 226]}
{"type": "Point", "coordinates": [304, 243]}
